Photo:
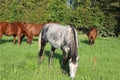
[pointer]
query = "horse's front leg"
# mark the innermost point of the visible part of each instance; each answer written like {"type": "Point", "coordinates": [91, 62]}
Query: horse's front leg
{"type": "Point", "coordinates": [19, 40]}
{"type": "Point", "coordinates": [93, 41]}
{"type": "Point", "coordinates": [41, 53]}
{"type": "Point", "coordinates": [64, 62]}
{"type": "Point", "coordinates": [51, 55]}
{"type": "Point", "coordinates": [14, 39]}
{"type": "Point", "coordinates": [21, 37]}
{"type": "Point", "coordinates": [90, 39]}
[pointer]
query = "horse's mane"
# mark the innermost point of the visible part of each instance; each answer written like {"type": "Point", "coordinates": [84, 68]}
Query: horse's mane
{"type": "Point", "coordinates": [25, 30]}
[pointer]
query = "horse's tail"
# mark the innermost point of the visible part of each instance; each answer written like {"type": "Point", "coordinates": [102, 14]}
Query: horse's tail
{"type": "Point", "coordinates": [75, 44]}
{"type": "Point", "coordinates": [39, 40]}
{"type": "Point", "coordinates": [76, 38]}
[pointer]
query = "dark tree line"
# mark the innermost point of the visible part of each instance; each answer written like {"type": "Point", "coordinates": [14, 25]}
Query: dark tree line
{"type": "Point", "coordinates": [104, 14]}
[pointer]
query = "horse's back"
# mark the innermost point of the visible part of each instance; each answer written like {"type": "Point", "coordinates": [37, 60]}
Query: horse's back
{"type": "Point", "coordinates": [55, 26]}
{"type": "Point", "coordinates": [33, 28]}
{"type": "Point", "coordinates": [56, 29]}
{"type": "Point", "coordinates": [3, 24]}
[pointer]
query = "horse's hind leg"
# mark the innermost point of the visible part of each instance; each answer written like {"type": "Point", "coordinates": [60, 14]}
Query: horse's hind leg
{"type": "Point", "coordinates": [41, 53]}
{"type": "Point", "coordinates": [0, 38]}
{"type": "Point", "coordinates": [51, 55]}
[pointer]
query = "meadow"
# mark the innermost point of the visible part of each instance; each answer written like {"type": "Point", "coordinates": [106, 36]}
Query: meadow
{"type": "Point", "coordinates": [100, 61]}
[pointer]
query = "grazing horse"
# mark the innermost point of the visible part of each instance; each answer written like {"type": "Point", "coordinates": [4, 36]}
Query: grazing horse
{"type": "Point", "coordinates": [34, 29]}
{"type": "Point", "coordinates": [63, 38]}
{"type": "Point", "coordinates": [14, 29]}
{"type": "Point", "coordinates": [92, 34]}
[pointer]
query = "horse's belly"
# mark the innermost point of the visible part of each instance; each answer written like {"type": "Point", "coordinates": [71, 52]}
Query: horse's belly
{"type": "Point", "coordinates": [55, 40]}
{"type": "Point", "coordinates": [9, 33]}
{"type": "Point", "coordinates": [11, 30]}
{"type": "Point", "coordinates": [56, 44]}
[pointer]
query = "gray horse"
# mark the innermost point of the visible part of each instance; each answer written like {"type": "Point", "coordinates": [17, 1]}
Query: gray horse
{"type": "Point", "coordinates": [63, 38]}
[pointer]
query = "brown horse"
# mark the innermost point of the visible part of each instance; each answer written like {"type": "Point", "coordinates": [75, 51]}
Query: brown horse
{"type": "Point", "coordinates": [14, 29]}
{"type": "Point", "coordinates": [33, 28]}
{"type": "Point", "coordinates": [92, 34]}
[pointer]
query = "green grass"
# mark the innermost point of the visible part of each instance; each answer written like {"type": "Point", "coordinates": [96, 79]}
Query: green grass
{"type": "Point", "coordinates": [21, 62]}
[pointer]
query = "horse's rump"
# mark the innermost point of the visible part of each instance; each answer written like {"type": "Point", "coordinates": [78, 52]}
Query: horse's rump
{"type": "Point", "coordinates": [3, 27]}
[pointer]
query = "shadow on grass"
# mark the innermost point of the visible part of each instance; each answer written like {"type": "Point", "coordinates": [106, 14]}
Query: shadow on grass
{"type": "Point", "coordinates": [25, 39]}
{"type": "Point", "coordinates": [58, 56]}
{"type": "Point", "coordinates": [35, 39]}
{"type": "Point", "coordinates": [85, 42]}
{"type": "Point", "coordinates": [2, 41]}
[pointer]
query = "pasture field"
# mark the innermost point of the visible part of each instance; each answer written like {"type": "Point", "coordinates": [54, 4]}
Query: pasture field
{"type": "Point", "coordinates": [100, 61]}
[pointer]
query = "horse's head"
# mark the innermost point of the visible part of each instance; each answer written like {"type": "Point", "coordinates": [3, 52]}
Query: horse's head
{"type": "Point", "coordinates": [73, 67]}
{"type": "Point", "coordinates": [29, 39]}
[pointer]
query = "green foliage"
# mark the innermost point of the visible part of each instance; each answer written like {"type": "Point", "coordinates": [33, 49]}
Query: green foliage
{"type": "Point", "coordinates": [58, 11]}
{"type": "Point", "coordinates": [81, 13]}
{"type": "Point", "coordinates": [111, 10]}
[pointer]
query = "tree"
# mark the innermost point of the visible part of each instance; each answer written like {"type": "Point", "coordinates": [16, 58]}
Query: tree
{"type": "Point", "coordinates": [104, 14]}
